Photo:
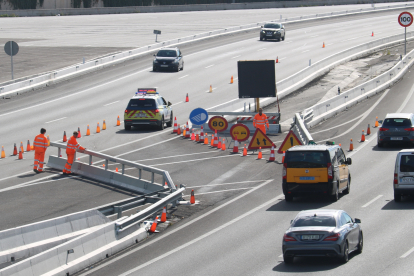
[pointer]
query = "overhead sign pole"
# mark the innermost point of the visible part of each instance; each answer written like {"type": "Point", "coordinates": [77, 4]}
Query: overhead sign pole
{"type": "Point", "coordinates": [405, 19]}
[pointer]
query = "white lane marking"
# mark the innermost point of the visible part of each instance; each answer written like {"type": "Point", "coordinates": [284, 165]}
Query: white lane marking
{"type": "Point", "coordinates": [290, 41]}
{"type": "Point", "coordinates": [212, 88]}
{"type": "Point", "coordinates": [222, 191]}
{"type": "Point", "coordinates": [35, 182]}
{"type": "Point", "coordinates": [209, 66]}
{"type": "Point", "coordinates": [174, 156]}
{"type": "Point", "coordinates": [371, 201]}
{"type": "Point", "coordinates": [304, 44]}
{"type": "Point", "coordinates": [338, 125]}
{"type": "Point", "coordinates": [282, 58]}
{"type": "Point", "coordinates": [237, 56]}
{"type": "Point", "coordinates": [328, 44]}
{"type": "Point", "coordinates": [351, 38]}
{"type": "Point", "coordinates": [168, 233]}
{"type": "Point", "coordinates": [233, 183]}
{"type": "Point", "coordinates": [201, 237]}
{"type": "Point", "coordinates": [261, 49]}
{"type": "Point", "coordinates": [314, 36]}
{"type": "Point", "coordinates": [178, 103]}
{"type": "Point", "coordinates": [55, 120]}
{"type": "Point", "coordinates": [407, 253]}
{"type": "Point", "coordinates": [186, 161]}
{"type": "Point", "coordinates": [305, 51]}
{"type": "Point", "coordinates": [183, 77]}
{"type": "Point", "coordinates": [110, 103]}
{"type": "Point", "coordinates": [281, 256]}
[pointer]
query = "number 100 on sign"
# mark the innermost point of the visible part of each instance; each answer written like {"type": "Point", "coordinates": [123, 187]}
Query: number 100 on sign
{"type": "Point", "coordinates": [218, 123]}
{"type": "Point", "coordinates": [405, 19]}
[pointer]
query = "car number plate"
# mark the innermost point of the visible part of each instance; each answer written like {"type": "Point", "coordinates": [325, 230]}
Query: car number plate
{"type": "Point", "coordinates": [307, 178]}
{"type": "Point", "coordinates": [310, 237]}
{"type": "Point", "coordinates": [269, 34]}
{"type": "Point", "coordinates": [407, 179]}
{"type": "Point", "coordinates": [396, 138]}
{"type": "Point", "coordinates": [164, 65]}
{"type": "Point", "coordinates": [140, 115]}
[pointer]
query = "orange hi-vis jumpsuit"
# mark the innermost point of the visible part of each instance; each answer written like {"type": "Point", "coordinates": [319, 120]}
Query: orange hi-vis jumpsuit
{"type": "Point", "coordinates": [260, 122]}
{"type": "Point", "coordinates": [40, 146]}
{"type": "Point", "coordinates": [70, 151]}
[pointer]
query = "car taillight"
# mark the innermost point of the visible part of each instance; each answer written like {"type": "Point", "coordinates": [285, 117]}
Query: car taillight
{"type": "Point", "coordinates": [330, 173]}
{"type": "Point", "coordinates": [284, 171]}
{"type": "Point", "coordinates": [333, 237]}
{"type": "Point", "coordinates": [126, 110]}
{"type": "Point", "coordinates": [409, 129]}
{"type": "Point", "coordinates": [395, 178]}
{"type": "Point", "coordinates": [156, 111]}
{"type": "Point", "coordinates": [287, 238]}
{"type": "Point", "coordinates": [384, 129]}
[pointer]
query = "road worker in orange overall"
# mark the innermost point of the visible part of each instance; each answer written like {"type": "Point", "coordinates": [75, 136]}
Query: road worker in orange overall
{"type": "Point", "coordinates": [40, 145]}
{"type": "Point", "coordinates": [71, 148]}
{"type": "Point", "coordinates": [260, 121]}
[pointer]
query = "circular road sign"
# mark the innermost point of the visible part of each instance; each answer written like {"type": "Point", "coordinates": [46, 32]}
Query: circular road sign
{"type": "Point", "coordinates": [14, 48]}
{"type": "Point", "coordinates": [218, 123]}
{"type": "Point", "coordinates": [198, 116]}
{"type": "Point", "coordinates": [241, 131]}
{"type": "Point", "coordinates": [405, 19]}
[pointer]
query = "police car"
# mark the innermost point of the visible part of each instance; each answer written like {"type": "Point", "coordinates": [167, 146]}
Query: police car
{"type": "Point", "coordinates": [147, 107]}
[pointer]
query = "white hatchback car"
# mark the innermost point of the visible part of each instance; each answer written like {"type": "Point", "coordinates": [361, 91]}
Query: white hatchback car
{"type": "Point", "coordinates": [404, 174]}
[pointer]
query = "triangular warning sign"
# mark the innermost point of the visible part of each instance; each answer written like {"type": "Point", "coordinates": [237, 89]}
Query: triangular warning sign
{"type": "Point", "coordinates": [290, 141]}
{"type": "Point", "coordinates": [260, 140]}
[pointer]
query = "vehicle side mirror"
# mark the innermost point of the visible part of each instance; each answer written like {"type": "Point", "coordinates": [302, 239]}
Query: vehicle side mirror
{"type": "Point", "coordinates": [261, 26]}
{"type": "Point", "coordinates": [357, 220]}
{"type": "Point", "coordinates": [349, 161]}
{"type": "Point", "coordinates": [291, 221]}
{"type": "Point", "coordinates": [154, 55]}
{"type": "Point", "coordinates": [380, 121]}
{"type": "Point", "coordinates": [169, 103]}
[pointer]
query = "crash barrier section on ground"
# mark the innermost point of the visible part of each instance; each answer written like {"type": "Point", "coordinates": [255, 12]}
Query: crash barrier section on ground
{"type": "Point", "coordinates": [333, 106]}
{"type": "Point", "coordinates": [30, 83]}
{"type": "Point", "coordinates": [300, 130]}
{"type": "Point", "coordinates": [118, 179]}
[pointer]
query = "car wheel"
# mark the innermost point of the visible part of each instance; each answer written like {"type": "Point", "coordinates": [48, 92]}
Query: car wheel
{"type": "Point", "coordinates": [289, 198]}
{"type": "Point", "coordinates": [182, 67]}
{"type": "Point", "coordinates": [348, 186]}
{"type": "Point", "coordinates": [287, 260]}
{"type": "Point", "coordinates": [154, 69]}
{"type": "Point", "coordinates": [345, 257]}
{"type": "Point", "coordinates": [261, 38]}
{"type": "Point", "coordinates": [380, 145]}
{"type": "Point", "coordinates": [360, 244]}
{"type": "Point", "coordinates": [162, 124]}
{"type": "Point", "coordinates": [284, 37]}
{"type": "Point", "coordinates": [169, 124]}
{"type": "Point", "coordinates": [335, 196]}
{"type": "Point", "coordinates": [127, 127]}
{"type": "Point", "coordinates": [397, 197]}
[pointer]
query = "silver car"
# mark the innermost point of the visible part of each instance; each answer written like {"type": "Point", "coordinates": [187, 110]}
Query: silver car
{"type": "Point", "coordinates": [331, 233]}
{"type": "Point", "coordinates": [396, 128]}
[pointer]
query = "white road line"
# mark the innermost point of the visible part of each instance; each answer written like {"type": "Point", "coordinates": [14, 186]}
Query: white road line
{"type": "Point", "coordinates": [281, 256]}
{"type": "Point", "coordinates": [314, 36]}
{"type": "Point", "coordinates": [371, 201]}
{"type": "Point", "coordinates": [261, 49]}
{"type": "Point", "coordinates": [407, 253]}
{"type": "Point", "coordinates": [221, 191]}
{"type": "Point", "coordinates": [282, 58]}
{"type": "Point", "coordinates": [290, 41]}
{"type": "Point", "coordinates": [183, 77]}
{"type": "Point", "coordinates": [110, 103]}
{"type": "Point", "coordinates": [35, 182]}
{"type": "Point", "coordinates": [350, 39]}
{"type": "Point", "coordinates": [304, 44]}
{"type": "Point", "coordinates": [55, 120]}
{"type": "Point", "coordinates": [236, 56]}
{"type": "Point", "coordinates": [212, 88]}
{"type": "Point", "coordinates": [174, 156]}
{"type": "Point", "coordinates": [233, 183]}
{"type": "Point", "coordinates": [168, 233]}
{"type": "Point", "coordinates": [338, 125]}
{"type": "Point", "coordinates": [305, 51]}
{"type": "Point", "coordinates": [209, 66]}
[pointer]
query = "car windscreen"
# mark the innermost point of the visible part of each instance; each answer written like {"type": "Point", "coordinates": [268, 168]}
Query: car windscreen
{"type": "Point", "coordinates": [407, 163]}
{"type": "Point", "coordinates": [307, 159]}
{"type": "Point", "coordinates": [142, 104]}
{"type": "Point", "coordinates": [167, 53]}
{"type": "Point", "coordinates": [272, 26]}
{"type": "Point", "coordinates": [397, 122]}
{"type": "Point", "coordinates": [312, 221]}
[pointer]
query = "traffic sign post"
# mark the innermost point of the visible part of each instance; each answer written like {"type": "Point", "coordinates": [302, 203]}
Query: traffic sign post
{"type": "Point", "coordinates": [240, 131]}
{"type": "Point", "coordinates": [260, 140]}
{"type": "Point", "coordinates": [405, 19]}
{"type": "Point", "coordinates": [198, 116]}
{"type": "Point", "coordinates": [11, 48]}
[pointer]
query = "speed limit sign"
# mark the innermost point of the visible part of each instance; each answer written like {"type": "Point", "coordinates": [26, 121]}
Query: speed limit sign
{"type": "Point", "coordinates": [405, 19]}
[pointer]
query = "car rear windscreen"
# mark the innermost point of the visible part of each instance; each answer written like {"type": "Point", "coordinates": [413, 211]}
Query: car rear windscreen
{"type": "Point", "coordinates": [407, 163]}
{"type": "Point", "coordinates": [324, 221]}
{"type": "Point", "coordinates": [397, 122]}
{"type": "Point", "coordinates": [272, 26]}
{"type": "Point", "coordinates": [167, 53]}
{"type": "Point", "coordinates": [307, 159]}
{"type": "Point", "coordinates": [141, 104]}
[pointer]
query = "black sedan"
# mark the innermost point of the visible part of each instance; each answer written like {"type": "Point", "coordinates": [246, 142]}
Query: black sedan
{"type": "Point", "coordinates": [168, 59]}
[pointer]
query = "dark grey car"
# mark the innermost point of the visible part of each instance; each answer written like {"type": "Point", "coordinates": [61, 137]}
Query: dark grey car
{"type": "Point", "coordinates": [331, 233]}
{"type": "Point", "coordinates": [168, 59]}
{"type": "Point", "coordinates": [272, 31]}
{"type": "Point", "coordinates": [396, 128]}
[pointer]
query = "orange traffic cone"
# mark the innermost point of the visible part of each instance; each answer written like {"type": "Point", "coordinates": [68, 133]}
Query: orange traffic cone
{"type": "Point", "coordinates": [323, 45]}
{"type": "Point", "coordinates": [116, 169]}
{"type": "Point", "coordinates": [372, 33]}
{"type": "Point", "coordinates": [216, 142]}
{"type": "Point", "coordinates": [245, 150]}
{"type": "Point", "coordinates": [192, 199]}
{"type": "Point", "coordinates": [28, 145]}
{"type": "Point", "coordinates": [211, 89]}
{"type": "Point", "coordinates": [79, 133]}
{"type": "Point", "coordinates": [277, 59]}
{"type": "Point", "coordinates": [260, 156]}
{"type": "Point", "coordinates": [64, 137]}
{"type": "Point", "coordinates": [178, 130]}
{"type": "Point", "coordinates": [202, 135]}
{"type": "Point", "coordinates": [197, 138]}
{"type": "Point", "coordinates": [3, 153]}
{"type": "Point", "coordinates": [118, 121]}
{"type": "Point", "coordinates": [98, 129]}
{"type": "Point", "coordinates": [48, 141]}
{"type": "Point", "coordinates": [272, 154]}
{"type": "Point", "coordinates": [164, 215]}
{"type": "Point", "coordinates": [231, 80]}
{"type": "Point", "coordinates": [376, 122]}
{"type": "Point", "coordinates": [20, 154]}
{"type": "Point", "coordinates": [223, 145]}
{"type": "Point", "coordinates": [368, 130]}
{"type": "Point", "coordinates": [193, 137]}
{"type": "Point", "coordinates": [15, 149]}
{"type": "Point", "coordinates": [283, 157]}
{"type": "Point", "coordinates": [362, 137]}
{"type": "Point", "coordinates": [88, 132]}
{"type": "Point", "coordinates": [212, 140]}
{"type": "Point", "coordinates": [187, 99]}
{"type": "Point", "coordinates": [236, 146]}
{"type": "Point", "coordinates": [21, 146]}
{"type": "Point", "coordinates": [187, 132]}
{"type": "Point", "coordinates": [175, 125]}
{"type": "Point", "coordinates": [351, 146]}
{"type": "Point", "coordinates": [104, 125]}
{"type": "Point", "coordinates": [154, 225]}
{"type": "Point", "coordinates": [219, 143]}
{"type": "Point", "coordinates": [206, 140]}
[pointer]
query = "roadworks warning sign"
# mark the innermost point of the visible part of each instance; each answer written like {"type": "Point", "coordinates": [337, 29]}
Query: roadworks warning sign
{"type": "Point", "coordinates": [260, 140]}
{"type": "Point", "coordinates": [290, 141]}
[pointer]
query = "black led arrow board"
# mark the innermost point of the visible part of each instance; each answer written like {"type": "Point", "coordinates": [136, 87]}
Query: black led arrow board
{"type": "Point", "coordinates": [257, 78]}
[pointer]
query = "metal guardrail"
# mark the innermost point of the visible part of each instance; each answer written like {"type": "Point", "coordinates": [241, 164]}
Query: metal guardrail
{"type": "Point", "coordinates": [166, 176]}
{"type": "Point", "coordinates": [301, 131]}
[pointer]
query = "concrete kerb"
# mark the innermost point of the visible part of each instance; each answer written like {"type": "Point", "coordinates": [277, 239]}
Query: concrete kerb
{"type": "Point", "coordinates": [97, 64]}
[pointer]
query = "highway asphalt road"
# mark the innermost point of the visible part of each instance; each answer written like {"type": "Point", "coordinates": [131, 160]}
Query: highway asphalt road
{"type": "Point", "coordinates": [238, 227]}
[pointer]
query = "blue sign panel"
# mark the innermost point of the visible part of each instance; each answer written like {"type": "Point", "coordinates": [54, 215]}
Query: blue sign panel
{"type": "Point", "coordinates": [198, 116]}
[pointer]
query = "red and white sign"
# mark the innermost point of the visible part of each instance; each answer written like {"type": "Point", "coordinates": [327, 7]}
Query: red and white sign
{"type": "Point", "coordinates": [405, 19]}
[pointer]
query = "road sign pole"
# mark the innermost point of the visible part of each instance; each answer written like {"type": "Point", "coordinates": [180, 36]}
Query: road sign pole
{"type": "Point", "coordinates": [405, 41]}
{"type": "Point", "coordinates": [11, 56]}
{"type": "Point", "coordinates": [257, 104]}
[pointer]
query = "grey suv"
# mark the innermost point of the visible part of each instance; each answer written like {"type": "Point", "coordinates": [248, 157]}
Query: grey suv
{"type": "Point", "coordinates": [272, 31]}
{"type": "Point", "coordinates": [396, 128]}
{"type": "Point", "coordinates": [168, 59]}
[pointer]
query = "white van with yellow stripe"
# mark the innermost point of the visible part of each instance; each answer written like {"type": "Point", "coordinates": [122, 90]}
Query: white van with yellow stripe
{"type": "Point", "coordinates": [147, 107]}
